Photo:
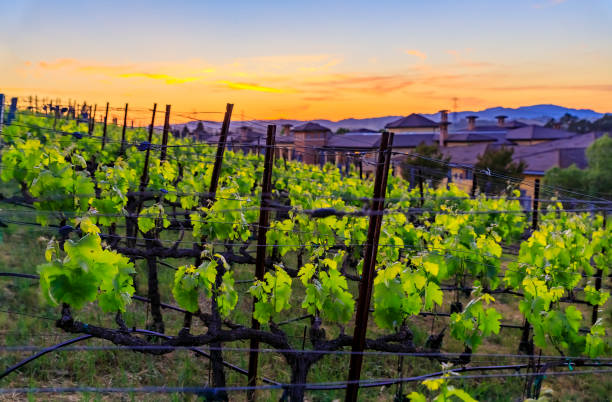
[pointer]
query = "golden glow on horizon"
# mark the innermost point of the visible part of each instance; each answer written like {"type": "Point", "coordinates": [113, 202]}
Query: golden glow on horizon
{"type": "Point", "coordinates": [313, 86]}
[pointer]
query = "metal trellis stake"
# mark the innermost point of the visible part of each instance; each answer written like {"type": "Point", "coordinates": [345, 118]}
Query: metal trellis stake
{"type": "Point", "coordinates": [598, 276]}
{"type": "Point", "coordinates": [421, 192]}
{"type": "Point", "coordinates": [214, 179]}
{"type": "Point", "coordinates": [105, 124]}
{"type": "Point", "coordinates": [369, 263]}
{"type": "Point", "coordinates": [1, 112]}
{"type": "Point", "coordinates": [474, 184]}
{"type": "Point", "coordinates": [536, 204]}
{"type": "Point", "coordinates": [92, 119]}
{"type": "Point", "coordinates": [260, 259]}
{"type": "Point", "coordinates": [122, 150]}
{"type": "Point", "coordinates": [145, 169]}
{"type": "Point", "coordinates": [165, 134]}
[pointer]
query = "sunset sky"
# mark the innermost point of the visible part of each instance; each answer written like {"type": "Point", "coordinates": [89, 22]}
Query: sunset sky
{"type": "Point", "coordinates": [311, 59]}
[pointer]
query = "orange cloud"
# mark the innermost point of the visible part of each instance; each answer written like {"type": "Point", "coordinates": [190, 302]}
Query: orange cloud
{"type": "Point", "coordinates": [372, 84]}
{"type": "Point", "coordinates": [56, 64]}
{"type": "Point", "coordinates": [416, 53]}
{"type": "Point", "coordinates": [316, 85]}
{"type": "Point", "coordinates": [169, 73]}
{"type": "Point", "coordinates": [164, 77]}
{"type": "Point", "coordinates": [252, 87]}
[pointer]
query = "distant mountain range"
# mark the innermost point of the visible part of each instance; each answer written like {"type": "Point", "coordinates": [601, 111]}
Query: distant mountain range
{"type": "Point", "coordinates": [535, 114]}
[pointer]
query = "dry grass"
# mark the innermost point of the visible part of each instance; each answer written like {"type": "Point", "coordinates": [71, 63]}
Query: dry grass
{"type": "Point", "coordinates": [20, 251]}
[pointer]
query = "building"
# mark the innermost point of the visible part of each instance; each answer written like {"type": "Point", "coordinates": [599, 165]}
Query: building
{"type": "Point", "coordinates": [414, 123]}
{"type": "Point", "coordinates": [309, 141]}
{"type": "Point", "coordinates": [538, 158]}
{"type": "Point", "coordinates": [532, 134]}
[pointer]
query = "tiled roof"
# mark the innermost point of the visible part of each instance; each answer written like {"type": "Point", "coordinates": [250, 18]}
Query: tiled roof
{"type": "Point", "coordinates": [412, 121]}
{"type": "Point", "coordinates": [284, 139]}
{"type": "Point", "coordinates": [363, 131]}
{"type": "Point", "coordinates": [354, 141]}
{"type": "Point", "coordinates": [562, 153]}
{"type": "Point", "coordinates": [578, 141]}
{"type": "Point", "coordinates": [412, 140]}
{"type": "Point", "coordinates": [466, 155]}
{"type": "Point", "coordinates": [470, 137]}
{"type": "Point", "coordinates": [533, 132]}
{"type": "Point", "coordinates": [540, 163]}
{"type": "Point", "coordinates": [310, 126]}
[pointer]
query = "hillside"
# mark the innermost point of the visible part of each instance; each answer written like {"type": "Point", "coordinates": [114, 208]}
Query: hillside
{"type": "Point", "coordinates": [533, 114]}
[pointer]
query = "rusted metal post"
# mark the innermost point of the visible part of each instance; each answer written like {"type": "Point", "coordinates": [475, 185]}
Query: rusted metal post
{"type": "Point", "coordinates": [260, 259]}
{"type": "Point", "coordinates": [122, 150]}
{"type": "Point", "coordinates": [165, 134]}
{"type": "Point", "coordinates": [369, 263]}
{"type": "Point", "coordinates": [536, 204]}
{"type": "Point", "coordinates": [105, 124]}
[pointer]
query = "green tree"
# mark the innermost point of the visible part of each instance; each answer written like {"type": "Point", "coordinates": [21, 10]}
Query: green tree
{"type": "Point", "coordinates": [505, 172]}
{"type": "Point", "coordinates": [431, 163]}
{"type": "Point", "coordinates": [342, 130]}
{"type": "Point", "coordinates": [603, 124]}
{"type": "Point", "coordinates": [599, 172]}
{"type": "Point", "coordinates": [571, 123]}
{"type": "Point", "coordinates": [571, 178]}
{"type": "Point", "coordinates": [596, 179]}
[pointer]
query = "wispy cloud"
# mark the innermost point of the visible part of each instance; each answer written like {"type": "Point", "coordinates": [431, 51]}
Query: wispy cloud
{"type": "Point", "coordinates": [416, 53]}
{"type": "Point", "coordinates": [561, 87]}
{"type": "Point", "coordinates": [168, 79]}
{"type": "Point", "coordinates": [169, 73]}
{"type": "Point", "coordinates": [253, 87]}
{"type": "Point", "coordinates": [371, 84]}
{"type": "Point", "coordinates": [462, 58]}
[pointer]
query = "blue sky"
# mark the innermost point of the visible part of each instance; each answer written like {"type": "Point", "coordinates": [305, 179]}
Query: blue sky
{"type": "Point", "coordinates": [305, 58]}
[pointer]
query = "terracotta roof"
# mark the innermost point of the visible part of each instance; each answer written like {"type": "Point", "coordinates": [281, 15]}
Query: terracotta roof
{"type": "Point", "coordinates": [284, 139]}
{"type": "Point", "coordinates": [578, 141]}
{"type": "Point", "coordinates": [533, 132]}
{"type": "Point", "coordinates": [363, 131]}
{"type": "Point", "coordinates": [309, 127]}
{"type": "Point", "coordinates": [562, 153]}
{"type": "Point", "coordinates": [489, 128]}
{"type": "Point", "coordinates": [354, 141]}
{"type": "Point", "coordinates": [470, 137]}
{"type": "Point", "coordinates": [412, 121]}
{"type": "Point", "coordinates": [538, 164]}
{"type": "Point", "coordinates": [466, 155]}
{"type": "Point", "coordinates": [412, 140]}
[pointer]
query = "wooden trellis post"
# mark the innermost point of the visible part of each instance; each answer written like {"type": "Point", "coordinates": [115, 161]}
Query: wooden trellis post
{"type": "Point", "coordinates": [369, 263]}
{"type": "Point", "coordinates": [260, 259]}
